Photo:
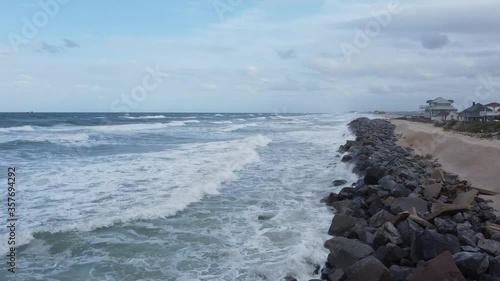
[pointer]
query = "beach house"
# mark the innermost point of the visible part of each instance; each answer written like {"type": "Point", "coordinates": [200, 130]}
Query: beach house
{"type": "Point", "coordinates": [440, 109]}
{"type": "Point", "coordinates": [479, 112]}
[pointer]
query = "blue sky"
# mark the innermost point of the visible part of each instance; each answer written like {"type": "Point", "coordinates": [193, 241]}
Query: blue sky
{"type": "Point", "coordinates": [246, 55]}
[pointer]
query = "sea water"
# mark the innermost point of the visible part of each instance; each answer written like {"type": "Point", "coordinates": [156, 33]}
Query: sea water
{"type": "Point", "coordinates": [157, 196]}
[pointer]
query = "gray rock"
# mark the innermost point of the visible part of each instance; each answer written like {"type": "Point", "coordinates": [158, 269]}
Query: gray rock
{"type": "Point", "coordinates": [380, 218]}
{"type": "Point", "coordinates": [445, 225]}
{"type": "Point", "coordinates": [408, 229]}
{"type": "Point", "coordinates": [400, 273]}
{"type": "Point", "coordinates": [430, 244]}
{"type": "Point", "coordinates": [440, 268]}
{"type": "Point", "coordinates": [339, 182]}
{"type": "Point", "coordinates": [433, 190]}
{"type": "Point", "coordinates": [467, 237]}
{"type": "Point", "coordinates": [471, 264]}
{"type": "Point", "coordinates": [345, 252]}
{"type": "Point", "coordinates": [470, 249]}
{"type": "Point", "coordinates": [406, 204]}
{"type": "Point", "coordinates": [465, 198]}
{"type": "Point", "coordinates": [494, 268]}
{"type": "Point", "coordinates": [495, 236]}
{"type": "Point", "coordinates": [390, 254]}
{"type": "Point", "coordinates": [400, 191]}
{"type": "Point", "coordinates": [387, 183]}
{"type": "Point", "coordinates": [464, 226]}
{"type": "Point", "coordinates": [491, 247]}
{"type": "Point", "coordinates": [341, 223]}
{"type": "Point", "coordinates": [458, 218]}
{"type": "Point", "coordinates": [373, 175]}
{"type": "Point", "coordinates": [337, 275]}
{"type": "Point", "coordinates": [368, 269]}
{"type": "Point", "coordinates": [385, 234]}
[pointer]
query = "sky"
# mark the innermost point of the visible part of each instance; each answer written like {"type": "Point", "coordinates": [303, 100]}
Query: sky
{"type": "Point", "coordinates": [281, 56]}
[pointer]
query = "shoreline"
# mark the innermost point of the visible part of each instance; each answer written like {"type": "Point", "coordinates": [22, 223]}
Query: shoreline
{"type": "Point", "coordinates": [406, 218]}
{"type": "Point", "coordinates": [476, 160]}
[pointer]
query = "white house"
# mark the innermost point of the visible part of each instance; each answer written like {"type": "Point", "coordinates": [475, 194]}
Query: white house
{"type": "Point", "coordinates": [440, 109]}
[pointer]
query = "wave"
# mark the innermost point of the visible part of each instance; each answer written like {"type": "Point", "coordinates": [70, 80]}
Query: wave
{"type": "Point", "coordinates": [145, 117]}
{"type": "Point", "coordinates": [191, 121]}
{"type": "Point", "coordinates": [221, 122]}
{"type": "Point", "coordinates": [238, 127]}
{"type": "Point", "coordinates": [65, 139]}
{"type": "Point", "coordinates": [172, 180]}
{"type": "Point", "coordinates": [138, 127]}
{"type": "Point", "coordinates": [17, 129]}
{"type": "Point", "coordinates": [73, 138]}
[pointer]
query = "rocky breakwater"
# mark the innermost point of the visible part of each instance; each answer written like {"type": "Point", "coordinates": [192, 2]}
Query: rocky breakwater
{"type": "Point", "coordinates": [406, 219]}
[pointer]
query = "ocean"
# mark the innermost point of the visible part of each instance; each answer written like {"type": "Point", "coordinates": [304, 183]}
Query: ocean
{"type": "Point", "coordinates": [164, 196]}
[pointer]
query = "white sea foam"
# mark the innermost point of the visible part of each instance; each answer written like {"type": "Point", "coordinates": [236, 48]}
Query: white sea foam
{"type": "Point", "coordinates": [137, 127]}
{"type": "Point", "coordinates": [67, 138]}
{"type": "Point", "coordinates": [237, 127]}
{"type": "Point", "coordinates": [192, 121]}
{"type": "Point", "coordinates": [167, 182]}
{"type": "Point", "coordinates": [145, 117]}
{"type": "Point", "coordinates": [221, 122]}
{"type": "Point", "coordinates": [17, 129]}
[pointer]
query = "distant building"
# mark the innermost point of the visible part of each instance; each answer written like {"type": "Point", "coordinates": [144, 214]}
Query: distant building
{"type": "Point", "coordinates": [479, 112]}
{"type": "Point", "coordinates": [440, 109]}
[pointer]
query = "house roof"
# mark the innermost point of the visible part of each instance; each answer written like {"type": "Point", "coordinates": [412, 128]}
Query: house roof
{"type": "Point", "coordinates": [442, 107]}
{"type": "Point", "coordinates": [475, 109]}
{"type": "Point", "coordinates": [493, 104]}
{"type": "Point", "coordinates": [441, 100]}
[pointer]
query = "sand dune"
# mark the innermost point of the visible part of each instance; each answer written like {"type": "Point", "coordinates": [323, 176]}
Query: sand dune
{"type": "Point", "coordinates": [475, 160]}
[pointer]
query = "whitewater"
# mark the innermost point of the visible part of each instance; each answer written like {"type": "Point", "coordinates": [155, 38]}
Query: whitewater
{"type": "Point", "coordinates": [163, 196]}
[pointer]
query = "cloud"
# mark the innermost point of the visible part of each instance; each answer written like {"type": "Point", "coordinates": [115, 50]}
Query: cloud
{"type": "Point", "coordinates": [287, 54]}
{"type": "Point", "coordinates": [91, 88]}
{"type": "Point", "coordinates": [57, 49]}
{"type": "Point", "coordinates": [70, 44]}
{"type": "Point", "coordinates": [47, 48]}
{"type": "Point", "coordinates": [434, 40]}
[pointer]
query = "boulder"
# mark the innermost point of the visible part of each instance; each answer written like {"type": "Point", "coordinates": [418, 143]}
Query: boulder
{"type": "Point", "coordinates": [471, 264]}
{"type": "Point", "coordinates": [492, 247]}
{"type": "Point", "coordinates": [373, 175]}
{"type": "Point", "coordinates": [337, 275]}
{"type": "Point", "coordinates": [439, 268]}
{"type": "Point", "coordinates": [339, 182]}
{"type": "Point", "coordinates": [400, 273]}
{"type": "Point", "coordinates": [387, 183]}
{"type": "Point", "coordinates": [407, 204]}
{"type": "Point", "coordinates": [494, 268]}
{"type": "Point", "coordinates": [465, 198]}
{"type": "Point", "coordinates": [467, 237]}
{"type": "Point", "coordinates": [439, 209]}
{"type": "Point", "coordinates": [408, 230]}
{"type": "Point", "coordinates": [400, 191]}
{"type": "Point", "coordinates": [368, 269]}
{"type": "Point", "coordinates": [345, 252]}
{"type": "Point", "coordinates": [445, 225]}
{"type": "Point", "coordinates": [380, 218]}
{"type": "Point", "coordinates": [330, 199]}
{"type": "Point", "coordinates": [430, 244]}
{"type": "Point", "coordinates": [390, 254]}
{"type": "Point", "coordinates": [438, 175]}
{"type": "Point", "coordinates": [458, 218]}
{"type": "Point", "coordinates": [346, 158]}
{"type": "Point", "coordinates": [433, 190]}
{"type": "Point", "coordinates": [341, 223]}
{"type": "Point", "coordinates": [385, 234]}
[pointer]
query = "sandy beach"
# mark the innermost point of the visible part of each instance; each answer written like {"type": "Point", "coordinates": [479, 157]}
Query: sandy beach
{"type": "Point", "coordinates": [475, 160]}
